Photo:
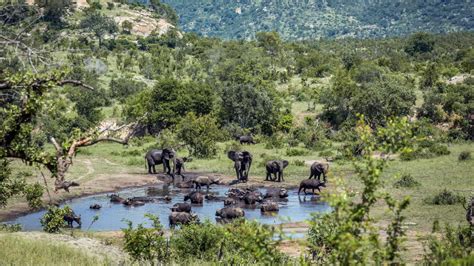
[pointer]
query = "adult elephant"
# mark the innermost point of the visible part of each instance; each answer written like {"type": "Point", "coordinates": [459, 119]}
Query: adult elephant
{"type": "Point", "coordinates": [275, 167]}
{"type": "Point", "coordinates": [318, 168]}
{"type": "Point", "coordinates": [242, 163]}
{"type": "Point", "coordinates": [164, 156]}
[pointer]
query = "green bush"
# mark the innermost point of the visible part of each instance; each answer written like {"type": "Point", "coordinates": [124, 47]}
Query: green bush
{"type": "Point", "coordinates": [296, 152]}
{"type": "Point", "coordinates": [146, 244]}
{"type": "Point", "coordinates": [406, 181]}
{"type": "Point", "coordinates": [10, 227]}
{"type": "Point", "coordinates": [198, 241]}
{"type": "Point", "coordinates": [299, 162]}
{"type": "Point", "coordinates": [453, 247]}
{"type": "Point", "coordinates": [200, 134]}
{"type": "Point", "coordinates": [275, 141]}
{"type": "Point", "coordinates": [445, 197]}
{"type": "Point", "coordinates": [53, 220]}
{"type": "Point", "coordinates": [464, 156]}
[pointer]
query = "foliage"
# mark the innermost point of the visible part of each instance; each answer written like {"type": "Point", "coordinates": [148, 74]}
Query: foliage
{"type": "Point", "coordinates": [419, 43]}
{"type": "Point", "coordinates": [200, 134]}
{"type": "Point", "coordinates": [53, 220]}
{"type": "Point", "coordinates": [464, 156]}
{"type": "Point", "coordinates": [98, 24]}
{"type": "Point", "coordinates": [54, 10]}
{"type": "Point", "coordinates": [296, 152]}
{"type": "Point", "coordinates": [406, 181]}
{"type": "Point", "coordinates": [445, 197]}
{"type": "Point", "coordinates": [452, 243]}
{"type": "Point", "coordinates": [348, 234]}
{"type": "Point", "coordinates": [10, 227]}
{"type": "Point", "coordinates": [123, 87]}
{"type": "Point", "coordinates": [146, 244]}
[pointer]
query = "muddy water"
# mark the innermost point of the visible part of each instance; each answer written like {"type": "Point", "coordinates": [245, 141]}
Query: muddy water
{"type": "Point", "coordinates": [113, 216]}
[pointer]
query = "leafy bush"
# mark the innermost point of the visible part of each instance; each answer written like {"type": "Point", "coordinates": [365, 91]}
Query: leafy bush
{"type": "Point", "coordinates": [198, 241]}
{"type": "Point", "coordinates": [123, 87]}
{"type": "Point", "coordinates": [146, 244]}
{"type": "Point", "coordinates": [296, 152]}
{"type": "Point", "coordinates": [200, 134]}
{"type": "Point", "coordinates": [464, 156]}
{"type": "Point", "coordinates": [406, 181]}
{"type": "Point", "coordinates": [445, 197]}
{"type": "Point", "coordinates": [10, 227]}
{"type": "Point", "coordinates": [453, 245]}
{"type": "Point", "coordinates": [53, 220]}
{"type": "Point", "coordinates": [275, 141]}
{"type": "Point", "coordinates": [299, 162]}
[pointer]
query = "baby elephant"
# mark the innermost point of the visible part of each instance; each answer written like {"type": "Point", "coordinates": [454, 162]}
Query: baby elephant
{"type": "Point", "coordinates": [270, 207]}
{"type": "Point", "coordinates": [275, 167]}
{"type": "Point", "coordinates": [311, 184]}
{"type": "Point", "coordinates": [195, 197]}
{"type": "Point", "coordinates": [205, 181]}
{"type": "Point", "coordinates": [72, 217]}
{"type": "Point", "coordinates": [180, 164]}
{"type": "Point", "coordinates": [95, 206]}
{"type": "Point", "coordinates": [318, 168]}
{"type": "Point", "coordinates": [229, 213]}
{"type": "Point", "coordinates": [181, 207]}
{"type": "Point", "coordinates": [182, 218]}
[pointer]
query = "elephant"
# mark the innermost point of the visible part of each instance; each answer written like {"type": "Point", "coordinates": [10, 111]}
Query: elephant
{"type": "Point", "coordinates": [229, 213]}
{"type": "Point", "coordinates": [206, 181]}
{"type": "Point", "coordinates": [195, 197]}
{"type": "Point", "coordinates": [181, 207]}
{"type": "Point", "coordinates": [246, 139]}
{"type": "Point", "coordinates": [276, 193]}
{"type": "Point", "coordinates": [154, 157]}
{"type": "Point", "coordinates": [275, 167]}
{"type": "Point", "coordinates": [95, 206]}
{"type": "Point", "coordinates": [242, 163]}
{"type": "Point", "coordinates": [318, 168]}
{"type": "Point", "coordinates": [182, 218]}
{"type": "Point", "coordinates": [311, 184]}
{"type": "Point", "coordinates": [71, 218]}
{"type": "Point", "coordinates": [270, 207]}
{"type": "Point", "coordinates": [180, 164]}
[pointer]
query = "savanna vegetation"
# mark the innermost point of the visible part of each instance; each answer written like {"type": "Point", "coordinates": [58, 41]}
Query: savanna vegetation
{"type": "Point", "coordinates": [83, 97]}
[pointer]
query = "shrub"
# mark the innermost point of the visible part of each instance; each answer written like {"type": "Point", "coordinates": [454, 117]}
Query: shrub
{"type": "Point", "coordinates": [299, 162]}
{"type": "Point", "coordinates": [453, 245]}
{"type": "Point", "coordinates": [446, 197]}
{"type": "Point", "coordinates": [296, 152]}
{"type": "Point", "coordinates": [406, 181]}
{"type": "Point", "coordinates": [10, 227]}
{"type": "Point", "coordinates": [201, 241]}
{"type": "Point", "coordinates": [146, 244]}
{"type": "Point", "coordinates": [276, 141]}
{"type": "Point", "coordinates": [53, 220]}
{"type": "Point", "coordinates": [200, 134]}
{"type": "Point", "coordinates": [464, 156]}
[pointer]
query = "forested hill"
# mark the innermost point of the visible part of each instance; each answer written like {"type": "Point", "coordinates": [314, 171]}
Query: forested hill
{"type": "Point", "coordinates": [309, 19]}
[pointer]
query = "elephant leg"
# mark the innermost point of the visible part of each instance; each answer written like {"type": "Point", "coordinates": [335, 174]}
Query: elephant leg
{"type": "Point", "coordinates": [154, 169]}
{"type": "Point", "coordinates": [324, 177]}
{"type": "Point", "coordinates": [281, 176]}
{"type": "Point", "coordinates": [311, 175]}
{"type": "Point", "coordinates": [268, 177]}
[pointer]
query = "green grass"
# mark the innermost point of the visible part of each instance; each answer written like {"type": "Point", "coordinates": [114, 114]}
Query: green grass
{"type": "Point", "coordinates": [16, 250]}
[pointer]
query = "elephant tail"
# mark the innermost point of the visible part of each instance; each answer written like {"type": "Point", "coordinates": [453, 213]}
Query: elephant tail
{"type": "Point", "coordinates": [146, 164]}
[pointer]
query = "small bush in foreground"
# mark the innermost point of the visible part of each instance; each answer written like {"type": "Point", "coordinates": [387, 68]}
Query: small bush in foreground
{"type": "Point", "coordinates": [464, 156]}
{"type": "Point", "coordinates": [296, 152]}
{"type": "Point", "coordinates": [406, 181]}
{"type": "Point", "coordinates": [53, 220]}
{"type": "Point", "coordinates": [454, 244]}
{"type": "Point", "coordinates": [10, 227]}
{"type": "Point", "coordinates": [446, 197]}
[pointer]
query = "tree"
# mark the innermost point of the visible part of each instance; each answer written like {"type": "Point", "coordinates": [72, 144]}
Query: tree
{"type": "Point", "coordinates": [420, 43]}
{"type": "Point", "coordinates": [200, 134]}
{"type": "Point", "coordinates": [250, 107]}
{"type": "Point", "coordinates": [123, 87]}
{"type": "Point", "coordinates": [54, 10]}
{"type": "Point", "coordinates": [127, 26]}
{"type": "Point", "coordinates": [98, 24]}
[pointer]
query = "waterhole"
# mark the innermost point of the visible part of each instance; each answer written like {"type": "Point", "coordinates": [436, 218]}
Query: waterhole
{"type": "Point", "coordinates": [112, 216]}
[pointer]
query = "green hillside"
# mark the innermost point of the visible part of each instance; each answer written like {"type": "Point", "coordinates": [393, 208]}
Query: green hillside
{"type": "Point", "coordinates": [311, 19]}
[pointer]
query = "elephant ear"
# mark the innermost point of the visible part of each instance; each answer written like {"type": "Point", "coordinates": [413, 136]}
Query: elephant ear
{"type": "Point", "coordinates": [285, 163]}
{"type": "Point", "coordinates": [185, 159]}
{"type": "Point", "coordinates": [234, 155]}
{"type": "Point", "coordinates": [168, 154]}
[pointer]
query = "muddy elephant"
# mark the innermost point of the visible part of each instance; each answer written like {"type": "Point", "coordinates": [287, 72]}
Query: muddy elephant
{"type": "Point", "coordinates": [181, 207]}
{"type": "Point", "coordinates": [195, 197]}
{"type": "Point", "coordinates": [318, 168]}
{"type": "Point", "coordinates": [242, 163]}
{"type": "Point", "coordinates": [182, 218]}
{"type": "Point", "coordinates": [206, 181]}
{"type": "Point", "coordinates": [180, 164]}
{"type": "Point", "coordinates": [270, 207]}
{"type": "Point", "coordinates": [71, 217]}
{"type": "Point", "coordinates": [311, 184]}
{"type": "Point", "coordinates": [229, 213]}
{"type": "Point", "coordinates": [164, 156]}
{"type": "Point", "coordinates": [246, 140]}
{"type": "Point", "coordinates": [275, 167]}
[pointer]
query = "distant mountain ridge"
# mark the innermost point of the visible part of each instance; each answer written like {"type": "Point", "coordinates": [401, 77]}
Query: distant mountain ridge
{"type": "Point", "coordinates": [310, 19]}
